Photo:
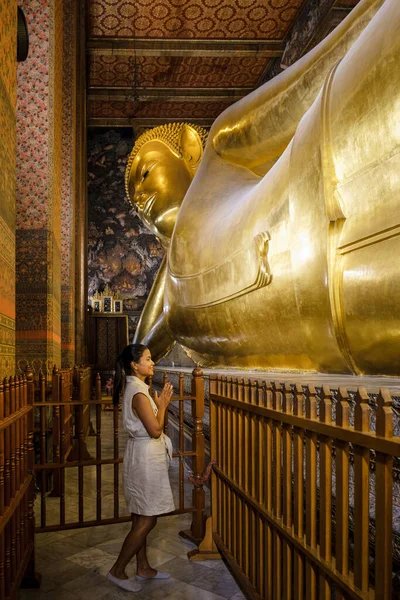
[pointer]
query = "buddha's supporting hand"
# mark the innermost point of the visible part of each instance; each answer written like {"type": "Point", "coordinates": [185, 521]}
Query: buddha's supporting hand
{"type": "Point", "coordinates": [152, 330]}
{"type": "Point", "coordinates": [158, 339]}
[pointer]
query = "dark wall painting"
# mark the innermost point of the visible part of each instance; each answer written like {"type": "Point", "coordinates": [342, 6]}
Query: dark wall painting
{"type": "Point", "coordinates": [122, 252]}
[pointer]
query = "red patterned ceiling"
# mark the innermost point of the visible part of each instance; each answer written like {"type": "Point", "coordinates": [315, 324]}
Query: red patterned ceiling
{"type": "Point", "coordinates": [250, 19]}
{"type": "Point", "coordinates": [211, 51]}
{"type": "Point", "coordinates": [167, 110]}
{"type": "Point", "coordinates": [175, 71]}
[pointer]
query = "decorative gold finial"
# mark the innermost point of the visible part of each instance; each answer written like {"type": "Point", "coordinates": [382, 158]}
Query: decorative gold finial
{"type": "Point", "coordinates": [107, 291]}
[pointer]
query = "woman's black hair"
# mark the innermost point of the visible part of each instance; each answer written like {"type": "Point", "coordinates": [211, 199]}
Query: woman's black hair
{"type": "Point", "coordinates": [131, 353]}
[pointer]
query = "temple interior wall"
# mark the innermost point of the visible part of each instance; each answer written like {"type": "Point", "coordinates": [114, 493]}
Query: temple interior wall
{"type": "Point", "coordinates": [8, 91]}
{"type": "Point", "coordinates": [39, 184]}
{"type": "Point", "coordinates": [122, 252]}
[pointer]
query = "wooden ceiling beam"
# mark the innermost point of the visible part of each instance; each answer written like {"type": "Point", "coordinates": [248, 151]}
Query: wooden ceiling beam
{"type": "Point", "coordinates": [145, 123]}
{"type": "Point", "coordinates": [168, 47]}
{"type": "Point", "coordinates": [155, 94]}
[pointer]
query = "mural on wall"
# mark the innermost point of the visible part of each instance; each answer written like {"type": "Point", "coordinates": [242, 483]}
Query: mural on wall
{"type": "Point", "coordinates": [122, 252]}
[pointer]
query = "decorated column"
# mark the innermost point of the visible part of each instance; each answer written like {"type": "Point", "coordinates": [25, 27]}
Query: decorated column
{"type": "Point", "coordinates": [8, 89]}
{"type": "Point", "coordinates": [68, 185]}
{"type": "Point", "coordinates": [39, 185]}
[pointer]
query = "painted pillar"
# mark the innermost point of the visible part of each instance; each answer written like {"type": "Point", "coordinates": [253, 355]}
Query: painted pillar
{"type": "Point", "coordinates": [81, 214]}
{"type": "Point", "coordinates": [68, 185]}
{"type": "Point", "coordinates": [8, 91]}
{"type": "Point", "coordinates": [39, 184]}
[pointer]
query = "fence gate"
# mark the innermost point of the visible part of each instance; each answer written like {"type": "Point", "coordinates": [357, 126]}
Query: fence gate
{"type": "Point", "coordinates": [77, 444]}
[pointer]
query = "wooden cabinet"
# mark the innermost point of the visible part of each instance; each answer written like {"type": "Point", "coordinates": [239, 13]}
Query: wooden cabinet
{"type": "Point", "coordinates": [108, 336]}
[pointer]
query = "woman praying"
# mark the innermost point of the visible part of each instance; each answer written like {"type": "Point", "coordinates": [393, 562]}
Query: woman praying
{"type": "Point", "coordinates": [147, 457]}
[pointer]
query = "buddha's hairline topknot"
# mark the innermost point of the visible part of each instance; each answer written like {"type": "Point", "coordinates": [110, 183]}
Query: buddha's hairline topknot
{"type": "Point", "coordinates": [169, 134]}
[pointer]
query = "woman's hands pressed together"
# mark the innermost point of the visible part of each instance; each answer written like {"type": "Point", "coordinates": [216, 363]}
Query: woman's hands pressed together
{"type": "Point", "coordinates": [164, 398]}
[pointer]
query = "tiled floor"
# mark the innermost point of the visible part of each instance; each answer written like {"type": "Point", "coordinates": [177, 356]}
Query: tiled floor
{"type": "Point", "coordinates": [73, 563]}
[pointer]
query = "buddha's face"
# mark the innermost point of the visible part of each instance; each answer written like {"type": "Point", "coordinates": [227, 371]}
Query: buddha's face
{"type": "Point", "coordinates": [158, 182]}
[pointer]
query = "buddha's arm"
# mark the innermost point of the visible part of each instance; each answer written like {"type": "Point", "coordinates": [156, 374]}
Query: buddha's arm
{"type": "Point", "coordinates": [256, 130]}
{"type": "Point", "coordinates": [151, 329]}
{"type": "Point", "coordinates": [158, 339]}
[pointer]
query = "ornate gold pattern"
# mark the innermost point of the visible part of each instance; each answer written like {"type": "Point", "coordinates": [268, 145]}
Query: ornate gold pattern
{"type": "Point", "coordinates": [8, 90]}
{"type": "Point", "coordinates": [7, 269]}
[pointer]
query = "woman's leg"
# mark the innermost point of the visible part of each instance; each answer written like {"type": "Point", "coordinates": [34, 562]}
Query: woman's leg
{"type": "Point", "coordinates": [142, 564]}
{"type": "Point", "coordinates": [134, 542]}
{"type": "Point", "coordinates": [143, 567]}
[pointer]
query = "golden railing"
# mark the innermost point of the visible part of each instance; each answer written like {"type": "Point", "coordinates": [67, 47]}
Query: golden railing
{"type": "Point", "coordinates": [279, 517]}
{"type": "Point", "coordinates": [16, 484]}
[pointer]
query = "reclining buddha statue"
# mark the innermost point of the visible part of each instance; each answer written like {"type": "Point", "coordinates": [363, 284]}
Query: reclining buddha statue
{"type": "Point", "coordinates": [282, 235]}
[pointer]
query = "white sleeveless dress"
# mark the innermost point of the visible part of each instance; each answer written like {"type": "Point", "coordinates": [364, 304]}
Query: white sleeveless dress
{"type": "Point", "coordinates": [146, 482]}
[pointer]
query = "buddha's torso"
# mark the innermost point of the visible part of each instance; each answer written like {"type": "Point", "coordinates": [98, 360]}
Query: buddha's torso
{"type": "Point", "coordinates": [297, 269]}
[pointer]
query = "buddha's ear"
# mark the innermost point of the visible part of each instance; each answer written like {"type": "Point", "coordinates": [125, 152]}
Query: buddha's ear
{"type": "Point", "coordinates": [191, 146]}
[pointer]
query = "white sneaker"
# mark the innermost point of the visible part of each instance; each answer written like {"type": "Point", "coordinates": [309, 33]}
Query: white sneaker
{"type": "Point", "coordinates": [126, 584]}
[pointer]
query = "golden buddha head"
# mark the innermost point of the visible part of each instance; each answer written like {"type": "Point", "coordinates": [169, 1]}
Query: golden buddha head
{"type": "Point", "coordinates": [160, 169]}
